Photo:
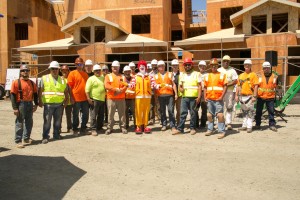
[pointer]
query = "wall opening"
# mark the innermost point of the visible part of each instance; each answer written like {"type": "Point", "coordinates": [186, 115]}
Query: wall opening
{"type": "Point", "coordinates": [225, 16]}
{"type": "Point", "coordinates": [21, 31]}
{"type": "Point", "coordinates": [176, 6]}
{"type": "Point", "coordinates": [176, 35]}
{"type": "Point", "coordinates": [280, 23]}
{"type": "Point", "coordinates": [140, 24]}
{"type": "Point", "coordinates": [259, 24]}
{"type": "Point", "coordinates": [85, 34]}
{"type": "Point", "coordinates": [99, 33]}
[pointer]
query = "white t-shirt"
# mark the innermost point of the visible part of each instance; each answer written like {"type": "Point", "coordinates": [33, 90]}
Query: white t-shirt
{"type": "Point", "coordinates": [230, 74]}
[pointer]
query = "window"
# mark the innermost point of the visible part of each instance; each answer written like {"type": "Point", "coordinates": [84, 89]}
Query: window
{"type": "Point", "coordinates": [259, 24]}
{"type": "Point", "coordinates": [280, 23]}
{"type": "Point", "coordinates": [140, 24]}
{"type": "Point", "coordinates": [99, 33]}
{"type": "Point", "coordinates": [225, 16]}
{"type": "Point", "coordinates": [176, 6]}
{"type": "Point", "coordinates": [21, 31]}
{"type": "Point", "coordinates": [85, 34]}
{"type": "Point", "coordinates": [176, 35]}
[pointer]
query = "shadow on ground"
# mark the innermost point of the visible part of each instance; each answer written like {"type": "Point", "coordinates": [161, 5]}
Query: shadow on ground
{"type": "Point", "coordinates": [36, 177]}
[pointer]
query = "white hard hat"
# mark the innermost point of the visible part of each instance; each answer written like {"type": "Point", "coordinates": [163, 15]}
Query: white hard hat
{"type": "Point", "coordinates": [226, 57]}
{"type": "Point", "coordinates": [174, 62]}
{"type": "Point", "coordinates": [88, 62]}
{"type": "Point", "coordinates": [104, 67]}
{"type": "Point", "coordinates": [248, 61]}
{"type": "Point", "coordinates": [126, 68]}
{"type": "Point", "coordinates": [131, 64]}
{"type": "Point", "coordinates": [154, 62]}
{"type": "Point", "coordinates": [115, 64]}
{"type": "Point", "coordinates": [96, 67]}
{"type": "Point", "coordinates": [161, 62]}
{"type": "Point", "coordinates": [266, 64]}
{"type": "Point", "coordinates": [54, 64]}
{"type": "Point", "coordinates": [149, 66]}
{"type": "Point", "coordinates": [202, 62]}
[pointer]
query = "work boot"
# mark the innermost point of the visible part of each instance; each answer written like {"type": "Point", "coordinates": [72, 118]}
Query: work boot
{"type": "Point", "coordinates": [177, 132]}
{"type": "Point", "coordinates": [221, 135]}
{"type": "Point", "coordinates": [242, 129]}
{"type": "Point", "coordinates": [20, 145]}
{"type": "Point", "coordinates": [75, 132]}
{"type": "Point", "coordinates": [193, 131]}
{"type": "Point", "coordinates": [208, 133]}
{"type": "Point", "coordinates": [229, 127]}
{"type": "Point", "coordinates": [164, 128]}
{"type": "Point", "coordinates": [249, 130]}
{"type": "Point", "coordinates": [44, 141]}
{"type": "Point", "coordinates": [94, 133]}
{"type": "Point", "coordinates": [28, 141]}
{"type": "Point", "coordinates": [256, 127]}
{"type": "Point", "coordinates": [107, 132]}
{"type": "Point", "coordinates": [124, 131]}
{"type": "Point", "coordinates": [273, 128]}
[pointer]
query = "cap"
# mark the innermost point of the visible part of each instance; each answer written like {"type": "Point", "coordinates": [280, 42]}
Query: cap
{"type": "Point", "coordinates": [149, 66]}
{"type": "Point", "coordinates": [131, 64]}
{"type": "Point", "coordinates": [126, 68]}
{"type": "Point", "coordinates": [266, 64]}
{"type": "Point", "coordinates": [115, 64]}
{"type": "Point", "coordinates": [174, 62]}
{"type": "Point", "coordinates": [142, 62]}
{"type": "Point", "coordinates": [88, 62]}
{"type": "Point", "coordinates": [96, 67]}
{"type": "Point", "coordinates": [247, 62]}
{"type": "Point", "coordinates": [161, 62]}
{"type": "Point", "coordinates": [154, 62]}
{"type": "Point", "coordinates": [226, 57]}
{"type": "Point", "coordinates": [54, 64]}
{"type": "Point", "coordinates": [202, 62]}
{"type": "Point", "coordinates": [104, 67]}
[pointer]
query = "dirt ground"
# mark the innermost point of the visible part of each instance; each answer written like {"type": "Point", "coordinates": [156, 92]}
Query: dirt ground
{"type": "Point", "coordinates": [261, 165]}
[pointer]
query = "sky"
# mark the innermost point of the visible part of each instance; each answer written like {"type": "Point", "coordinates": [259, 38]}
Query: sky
{"type": "Point", "coordinates": [198, 4]}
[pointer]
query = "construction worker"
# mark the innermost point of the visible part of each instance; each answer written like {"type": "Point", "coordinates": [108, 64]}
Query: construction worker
{"type": "Point", "coordinates": [116, 87]}
{"type": "Point", "coordinates": [76, 81]}
{"type": "Point", "coordinates": [246, 94]}
{"type": "Point", "coordinates": [165, 88]}
{"type": "Point", "coordinates": [267, 83]}
{"type": "Point", "coordinates": [53, 95]}
{"type": "Point", "coordinates": [132, 68]}
{"type": "Point", "coordinates": [154, 108]}
{"type": "Point", "coordinates": [203, 104]}
{"type": "Point", "coordinates": [95, 92]}
{"type": "Point", "coordinates": [229, 97]}
{"type": "Point", "coordinates": [176, 74]}
{"type": "Point", "coordinates": [88, 67]}
{"type": "Point", "coordinates": [129, 95]}
{"type": "Point", "coordinates": [68, 109]}
{"type": "Point", "coordinates": [142, 84]}
{"type": "Point", "coordinates": [190, 87]}
{"type": "Point", "coordinates": [23, 92]}
{"type": "Point", "coordinates": [215, 86]}
{"type": "Point", "coordinates": [104, 72]}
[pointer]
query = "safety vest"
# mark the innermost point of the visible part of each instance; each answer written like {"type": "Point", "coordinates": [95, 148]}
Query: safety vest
{"type": "Point", "coordinates": [190, 84]}
{"type": "Point", "coordinates": [130, 92]}
{"type": "Point", "coordinates": [167, 89]}
{"type": "Point", "coordinates": [116, 82]}
{"type": "Point", "coordinates": [267, 90]}
{"type": "Point", "coordinates": [142, 87]}
{"type": "Point", "coordinates": [214, 83]}
{"type": "Point", "coordinates": [53, 93]}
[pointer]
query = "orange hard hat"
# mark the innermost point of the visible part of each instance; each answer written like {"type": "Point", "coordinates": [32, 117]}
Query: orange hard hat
{"type": "Point", "coordinates": [187, 61]}
{"type": "Point", "coordinates": [213, 61]}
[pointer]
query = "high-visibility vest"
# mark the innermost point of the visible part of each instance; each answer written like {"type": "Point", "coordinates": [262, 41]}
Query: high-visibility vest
{"type": "Point", "coordinates": [214, 83]}
{"type": "Point", "coordinates": [266, 90]}
{"type": "Point", "coordinates": [130, 92]}
{"type": "Point", "coordinates": [53, 93]}
{"type": "Point", "coordinates": [116, 82]}
{"type": "Point", "coordinates": [190, 84]}
{"type": "Point", "coordinates": [142, 87]}
{"type": "Point", "coordinates": [167, 81]}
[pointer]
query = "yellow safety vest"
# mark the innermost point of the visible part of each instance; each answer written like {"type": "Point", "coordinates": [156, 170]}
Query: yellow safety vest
{"type": "Point", "coordinates": [53, 93]}
{"type": "Point", "coordinates": [190, 84]}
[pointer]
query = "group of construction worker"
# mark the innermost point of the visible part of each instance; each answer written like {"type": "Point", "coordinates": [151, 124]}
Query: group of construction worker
{"type": "Point", "coordinates": [92, 93]}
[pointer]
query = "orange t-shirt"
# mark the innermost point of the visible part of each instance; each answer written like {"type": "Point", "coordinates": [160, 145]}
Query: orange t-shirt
{"type": "Point", "coordinates": [27, 89]}
{"type": "Point", "coordinates": [247, 83]}
{"type": "Point", "coordinates": [76, 81]}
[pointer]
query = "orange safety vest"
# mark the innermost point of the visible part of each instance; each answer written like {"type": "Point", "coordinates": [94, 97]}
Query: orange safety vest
{"type": "Point", "coordinates": [214, 83]}
{"type": "Point", "coordinates": [130, 92]}
{"type": "Point", "coordinates": [115, 82]}
{"type": "Point", "coordinates": [142, 87]}
{"type": "Point", "coordinates": [267, 90]}
{"type": "Point", "coordinates": [167, 80]}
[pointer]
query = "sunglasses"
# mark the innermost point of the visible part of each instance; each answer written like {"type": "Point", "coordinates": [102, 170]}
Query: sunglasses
{"type": "Point", "coordinates": [80, 64]}
{"type": "Point", "coordinates": [188, 65]}
{"type": "Point", "coordinates": [25, 70]}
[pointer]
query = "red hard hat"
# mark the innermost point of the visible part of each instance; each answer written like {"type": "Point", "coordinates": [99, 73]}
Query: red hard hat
{"type": "Point", "coordinates": [142, 62]}
{"type": "Point", "coordinates": [187, 61]}
{"type": "Point", "coordinates": [64, 67]}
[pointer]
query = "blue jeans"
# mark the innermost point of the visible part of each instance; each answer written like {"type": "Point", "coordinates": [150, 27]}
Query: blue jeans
{"type": "Point", "coordinates": [24, 122]}
{"type": "Point", "coordinates": [52, 111]}
{"type": "Point", "coordinates": [187, 104]}
{"type": "Point", "coordinates": [270, 108]}
{"type": "Point", "coordinates": [82, 106]}
{"type": "Point", "coordinates": [167, 101]}
{"type": "Point", "coordinates": [215, 107]}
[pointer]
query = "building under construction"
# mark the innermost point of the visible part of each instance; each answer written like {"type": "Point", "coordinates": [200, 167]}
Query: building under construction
{"type": "Point", "coordinates": [38, 31]}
